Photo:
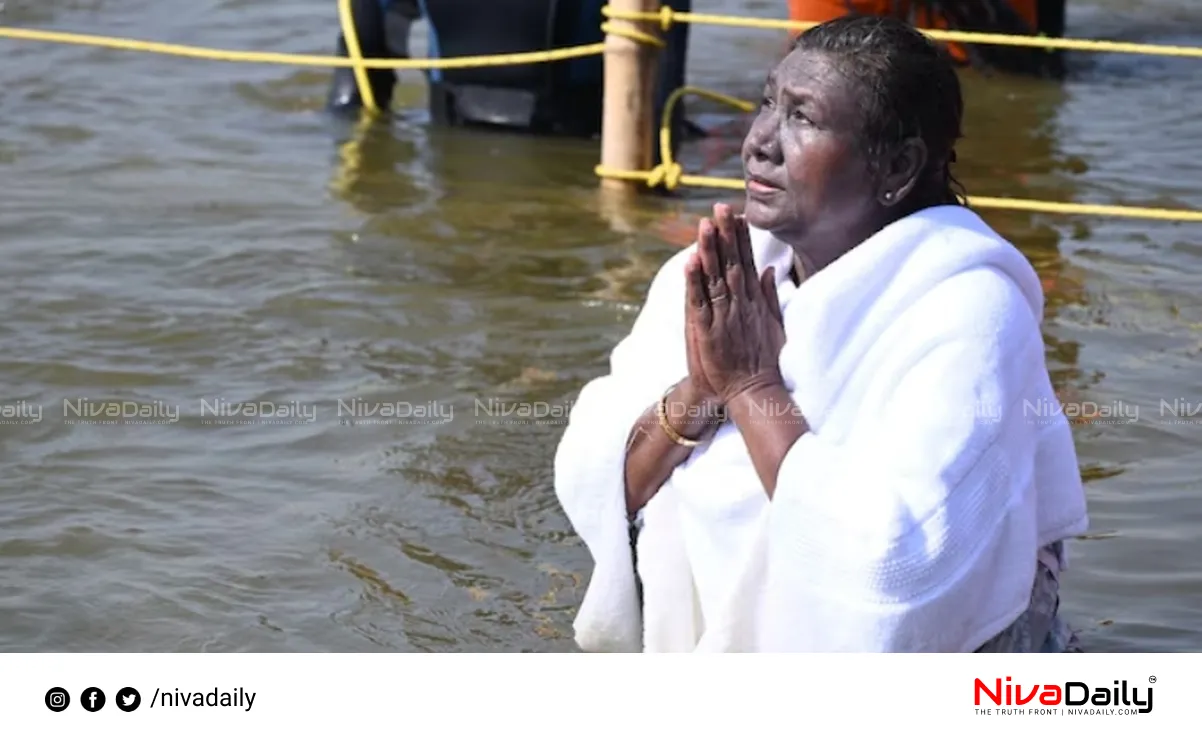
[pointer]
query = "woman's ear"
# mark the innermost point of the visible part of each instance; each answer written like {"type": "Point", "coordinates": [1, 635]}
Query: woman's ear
{"type": "Point", "coordinates": [901, 171]}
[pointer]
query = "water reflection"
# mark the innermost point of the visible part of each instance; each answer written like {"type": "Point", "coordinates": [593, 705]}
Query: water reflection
{"type": "Point", "coordinates": [420, 185]}
{"type": "Point", "coordinates": [366, 167]}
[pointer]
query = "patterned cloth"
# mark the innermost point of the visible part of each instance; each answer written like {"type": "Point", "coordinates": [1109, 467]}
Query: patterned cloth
{"type": "Point", "coordinates": [1040, 629]}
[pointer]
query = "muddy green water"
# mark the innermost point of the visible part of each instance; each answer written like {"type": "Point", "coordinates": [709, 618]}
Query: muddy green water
{"type": "Point", "coordinates": [173, 230]}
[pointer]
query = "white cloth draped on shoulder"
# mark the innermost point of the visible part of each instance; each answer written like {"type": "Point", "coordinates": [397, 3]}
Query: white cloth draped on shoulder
{"type": "Point", "coordinates": [907, 520]}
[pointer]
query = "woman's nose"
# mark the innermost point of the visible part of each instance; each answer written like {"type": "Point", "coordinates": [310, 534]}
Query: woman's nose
{"type": "Point", "coordinates": [763, 142]}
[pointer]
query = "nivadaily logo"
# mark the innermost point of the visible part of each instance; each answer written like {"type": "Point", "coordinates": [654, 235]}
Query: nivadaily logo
{"type": "Point", "coordinates": [1069, 698]}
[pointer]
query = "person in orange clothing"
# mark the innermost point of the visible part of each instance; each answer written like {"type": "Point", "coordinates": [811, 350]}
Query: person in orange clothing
{"type": "Point", "coordinates": [1020, 17]}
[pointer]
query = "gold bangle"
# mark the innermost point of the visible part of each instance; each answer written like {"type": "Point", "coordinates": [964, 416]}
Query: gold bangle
{"type": "Point", "coordinates": [661, 412]}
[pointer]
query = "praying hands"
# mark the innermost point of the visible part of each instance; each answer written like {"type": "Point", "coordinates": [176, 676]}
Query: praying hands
{"type": "Point", "coordinates": [734, 331]}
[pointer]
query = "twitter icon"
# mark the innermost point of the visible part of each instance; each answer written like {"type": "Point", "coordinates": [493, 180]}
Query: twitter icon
{"type": "Point", "coordinates": [128, 699]}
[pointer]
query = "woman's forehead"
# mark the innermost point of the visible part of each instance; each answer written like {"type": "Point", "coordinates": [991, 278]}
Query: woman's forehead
{"type": "Point", "coordinates": [819, 78]}
{"type": "Point", "coordinates": [804, 68]}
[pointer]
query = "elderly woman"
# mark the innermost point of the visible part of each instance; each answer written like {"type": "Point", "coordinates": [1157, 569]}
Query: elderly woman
{"type": "Point", "coordinates": [824, 431]}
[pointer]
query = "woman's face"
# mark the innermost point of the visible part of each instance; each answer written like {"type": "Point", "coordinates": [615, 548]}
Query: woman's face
{"type": "Point", "coordinates": [808, 182]}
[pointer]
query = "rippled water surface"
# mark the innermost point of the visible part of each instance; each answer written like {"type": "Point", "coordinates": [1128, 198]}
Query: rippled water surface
{"type": "Point", "coordinates": [172, 230]}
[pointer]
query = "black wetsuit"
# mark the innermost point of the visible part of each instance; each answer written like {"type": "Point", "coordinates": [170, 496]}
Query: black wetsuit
{"type": "Point", "coordinates": [554, 98]}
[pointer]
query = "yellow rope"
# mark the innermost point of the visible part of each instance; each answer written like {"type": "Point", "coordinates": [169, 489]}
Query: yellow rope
{"type": "Point", "coordinates": [303, 60]}
{"type": "Point", "coordinates": [666, 16]}
{"type": "Point", "coordinates": [668, 173]}
{"type": "Point", "coordinates": [632, 33]}
{"type": "Point", "coordinates": [346, 17]}
{"type": "Point", "coordinates": [655, 177]}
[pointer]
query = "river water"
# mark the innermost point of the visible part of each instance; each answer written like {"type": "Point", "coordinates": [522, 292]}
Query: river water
{"type": "Point", "coordinates": [190, 234]}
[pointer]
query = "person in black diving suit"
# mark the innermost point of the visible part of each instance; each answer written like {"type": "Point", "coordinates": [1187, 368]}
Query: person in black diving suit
{"type": "Point", "coordinates": [562, 98]}
{"type": "Point", "coordinates": [383, 29]}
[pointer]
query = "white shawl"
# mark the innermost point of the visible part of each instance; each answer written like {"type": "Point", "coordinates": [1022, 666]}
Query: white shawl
{"type": "Point", "coordinates": [910, 516]}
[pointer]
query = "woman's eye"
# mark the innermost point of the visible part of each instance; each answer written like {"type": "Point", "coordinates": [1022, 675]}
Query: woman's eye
{"type": "Point", "coordinates": [766, 102]}
{"type": "Point", "coordinates": [797, 115]}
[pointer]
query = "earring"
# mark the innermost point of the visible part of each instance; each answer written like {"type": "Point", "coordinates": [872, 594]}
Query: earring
{"type": "Point", "coordinates": [888, 197]}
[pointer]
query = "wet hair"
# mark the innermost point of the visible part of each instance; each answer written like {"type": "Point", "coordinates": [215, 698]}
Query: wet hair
{"type": "Point", "coordinates": [908, 87]}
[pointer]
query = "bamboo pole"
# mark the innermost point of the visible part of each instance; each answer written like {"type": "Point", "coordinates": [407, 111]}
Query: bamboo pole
{"type": "Point", "coordinates": [629, 106]}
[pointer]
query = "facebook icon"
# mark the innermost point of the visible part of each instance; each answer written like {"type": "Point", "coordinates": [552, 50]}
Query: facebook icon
{"type": "Point", "coordinates": [92, 699]}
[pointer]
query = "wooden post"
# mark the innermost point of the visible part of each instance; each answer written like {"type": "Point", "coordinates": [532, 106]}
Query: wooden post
{"type": "Point", "coordinates": [629, 107]}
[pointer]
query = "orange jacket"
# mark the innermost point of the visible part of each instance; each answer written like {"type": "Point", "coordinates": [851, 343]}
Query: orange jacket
{"type": "Point", "coordinates": [818, 11]}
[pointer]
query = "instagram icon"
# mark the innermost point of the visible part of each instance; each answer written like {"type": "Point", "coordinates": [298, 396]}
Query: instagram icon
{"type": "Point", "coordinates": [57, 699]}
